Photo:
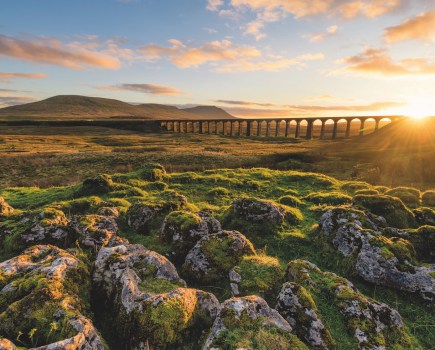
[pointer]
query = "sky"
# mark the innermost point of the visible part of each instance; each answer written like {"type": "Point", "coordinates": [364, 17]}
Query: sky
{"type": "Point", "coordinates": [255, 58]}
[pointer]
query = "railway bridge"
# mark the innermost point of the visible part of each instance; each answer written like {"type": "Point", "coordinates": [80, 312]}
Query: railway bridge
{"type": "Point", "coordinates": [277, 127]}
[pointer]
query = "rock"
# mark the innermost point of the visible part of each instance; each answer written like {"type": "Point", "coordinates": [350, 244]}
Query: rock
{"type": "Point", "coordinates": [108, 211]}
{"type": "Point", "coordinates": [259, 211]}
{"type": "Point", "coordinates": [183, 229]}
{"type": "Point", "coordinates": [141, 215]}
{"type": "Point", "coordinates": [94, 231]}
{"type": "Point", "coordinates": [257, 274]}
{"type": "Point", "coordinates": [250, 320]}
{"type": "Point", "coordinates": [152, 172]}
{"type": "Point", "coordinates": [147, 298]}
{"type": "Point", "coordinates": [425, 216]}
{"type": "Point", "coordinates": [297, 306]}
{"type": "Point", "coordinates": [99, 184]}
{"type": "Point", "coordinates": [370, 323]}
{"type": "Point", "coordinates": [391, 208]}
{"type": "Point", "coordinates": [215, 255]}
{"type": "Point", "coordinates": [6, 344]}
{"type": "Point", "coordinates": [5, 208]}
{"type": "Point", "coordinates": [377, 259]}
{"type": "Point", "coordinates": [40, 287]}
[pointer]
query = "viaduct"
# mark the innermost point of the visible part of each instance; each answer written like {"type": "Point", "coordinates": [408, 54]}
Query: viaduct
{"type": "Point", "coordinates": [286, 127]}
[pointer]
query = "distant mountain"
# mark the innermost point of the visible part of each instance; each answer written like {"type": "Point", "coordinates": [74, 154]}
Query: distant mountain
{"type": "Point", "coordinates": [209, 112]}
{"type": "Point", "coordinates": [76, 107]}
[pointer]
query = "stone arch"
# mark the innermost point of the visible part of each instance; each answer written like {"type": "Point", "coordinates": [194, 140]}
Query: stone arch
{"type": "Point", "coordinates": [342, 124]}
{"type": "Point", "coordinates": [303, 126]}
{"type": "Point", "coordinates": [355, 126]}
{"type": "Point", "coordinates": [329, 128]}
{"type": "Point", "coordinates": [383, 122]}
{"type": "Point", "coordinates": [317, 128]}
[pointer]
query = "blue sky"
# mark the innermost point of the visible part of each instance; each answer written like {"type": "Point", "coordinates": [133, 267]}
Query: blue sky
{"type": "Point", "coordinates": [252, 57]}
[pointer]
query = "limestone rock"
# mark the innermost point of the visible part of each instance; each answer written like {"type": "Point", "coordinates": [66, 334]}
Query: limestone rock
{"type": "Point", "coordinates": [296, 305]}
{"type": "Point", "coordinates": [6, 344]}
{"type": "Point", "coordinates": [215, 255]}
{"type": "Point", "coordinates": [258, 210]}
{"type": "Point", "coordinates": [183, 229]}
{"type": "Point", "coordinates": [41, 284]}
{"type": "Point", "coordinates": [147, 297]}
{"type": "Point", "coordinates": [253, 313]}
{"type": "Point", "coordinates": [377, 259]}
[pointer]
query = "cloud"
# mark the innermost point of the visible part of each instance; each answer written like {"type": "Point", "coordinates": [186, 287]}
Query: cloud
{"type": "Point", "coordinates": [153, 89]}
{"type": "Point", "coordinates": [268, 11]}
{"type": "Point", "coordinates": [8, 77]}
{"type": "Point", "coordinates": [378, 61]}
{"type": "Point", "coordinates": [421, 27]}
{"type": "Point", "coordinates": [223, 56]}
{"type": "Point", "coordinates": [330, 31]}
{"type": "Point", "coordinates": [6, 101]}
{"type": "Point", "coordinates": [75, 55]}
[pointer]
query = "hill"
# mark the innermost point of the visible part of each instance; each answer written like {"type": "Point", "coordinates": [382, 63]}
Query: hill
{"type": "Point", "coordinates": [209, 112]}
{"type": "Point", "coordinates": [76, 106]}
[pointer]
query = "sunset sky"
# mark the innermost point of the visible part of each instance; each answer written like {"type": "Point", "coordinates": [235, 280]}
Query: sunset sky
{"type": "Point", "coordinates": [251, 57]}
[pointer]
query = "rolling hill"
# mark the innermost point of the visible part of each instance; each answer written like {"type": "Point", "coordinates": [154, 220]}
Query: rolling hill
{"type": "Point", "coordinates": [76, 107]}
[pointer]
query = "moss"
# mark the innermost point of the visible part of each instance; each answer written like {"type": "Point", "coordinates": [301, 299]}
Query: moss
{"type": "Point", "coordinates": [261, 275]}
{"type": "Point", "coordinates": [368, 191]}
{"type": "Point", "coordinates": [81, 205]}
{"type": "Point", "coordinates": [243, 332]}
{"type": "Point", "coordinates": [428, 198]}
{"type": "Point", "coordinates": [391, 208]}
{"type": "Point", "coordinates": [330, 198]}
{"type": "Point", "coordinates": [183, 220]}
{"type": "Point", "coordinates": [353, 186]}
{"type": "Point", "coordinates": [218, 192]}
{"type": "Point", "coordinates": [386, 253]}
{"type": "Point", "coordinates": [290, 200]}
{"type": "Point", "coordinates": [99, 184]}
{"type": "Point", "coordinates": [425, 216]}
{"type": "Point", "coordinates": [157, 285]}
{"type": "Point", "coordinates": [409, 196]}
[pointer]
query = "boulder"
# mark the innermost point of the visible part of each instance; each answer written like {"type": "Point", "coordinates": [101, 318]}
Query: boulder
{"type": "Point", "coordinates": [99, 184]}
{"type": "Point", "coordinates": [249, 323]}
{"type": "Point", "coordinates": [142, 215]}
{"type": "Point", "coordinates": [38, 292]}
{"type": "Point", "coordinates": [213, 256]}
{"type": "Point", "coordinates": [5, 208]}
{"type": "Point", "coordinates": [373, 325]}
{"type": "Point", "coordinates": [147, 299]}
{"type": "Point", "coordinates": [298, 308]}
{"type": "Point", "coordinates": [377, 259]}
{"type": "Point", "coordinates": [183, 229]}
{"type": "Point", "coordinates": [425, 216]}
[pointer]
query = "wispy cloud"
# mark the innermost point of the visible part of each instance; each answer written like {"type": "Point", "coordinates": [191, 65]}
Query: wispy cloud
{"type": "Point", "coordinates": [223, 56]}
{"type": "Point", "coordinates": [378, 61]}
{"type": "Point", "coordinates": [330, 31]}
{"type": "Point", "coordinates": [153, 89]}
{"type": "Point", "coordinates": [75, 55]}
{"type": "Point", "coordinates": [213, 5]}
{"type": "Point", "coordinates": [8, 77]}
{"type": "Point", "coordinates": [6, 101]}
{"type": "Point", "coordinates": [421, 27]}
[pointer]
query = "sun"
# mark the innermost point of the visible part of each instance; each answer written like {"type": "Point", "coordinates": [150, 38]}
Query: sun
{"type": "Point", "coordinates": [419, 107]}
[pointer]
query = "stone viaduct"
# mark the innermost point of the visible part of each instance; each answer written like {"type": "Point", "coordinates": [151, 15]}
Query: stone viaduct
{"type": "Point", "coordinates": [284, 127]}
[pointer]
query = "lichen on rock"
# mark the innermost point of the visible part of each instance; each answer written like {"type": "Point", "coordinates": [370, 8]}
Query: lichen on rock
{"type": "Point", "coordinates": [5, 208]}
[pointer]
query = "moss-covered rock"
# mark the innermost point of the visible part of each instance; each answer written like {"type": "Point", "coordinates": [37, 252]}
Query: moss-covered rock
{"type": "Point", "coordinates": [39, 301]}
{"type": "Point", "coordinates": [409, 196]}
{"type": "Point", "coordinates": [257, 274]}
{"type": "Point", "coordinates": [330, 198]}
{"type": "Point", "coordinates": [5, 208]}
{"type": "Point", "coordinates": [368, 191]}
{"type": "Point", "coordinates": [143, 214]}
{"type": "Point", "coordinates": [424, 216]}
{"type": "Point", "coordinates": [249, 323]}
{"type": "Point", "coordinates": [374, 257]}
{"type": "Point", "coordinates": [391, 208]}
{"type": "Point", "coordinates": [372, 324]}
{"type": "Point", "coordinates": [213, 256]}
{"type": "Point", "coordinates": [182, 229]}
{"type": "Point", "coordinates": [290, 200]}
{"type": "Point", "coordinates": [253, 214]}
{"type": "Point", "coordinates": [99, 184]}
{"type": "Point", "coordinates": [152, 172]}
{"type": "Point", "coordinates": [428, 198]}
{"type": "Point", "coordinates": [148, 304]}
{"type": "Point", "coordinates": [298, 308]}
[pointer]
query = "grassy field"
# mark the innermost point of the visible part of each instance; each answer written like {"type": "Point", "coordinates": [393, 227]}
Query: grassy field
{"type": "Point", "coordinates": [48, 156]}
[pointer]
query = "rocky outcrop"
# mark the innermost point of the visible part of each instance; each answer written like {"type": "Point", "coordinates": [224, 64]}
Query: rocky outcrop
{"type": "Point", "coordinates": [141, 215]}
{"type": "Point", "coordinates": [94, 231]}
{"type": "Point", "coordinates": [252, 320]}
{"type": "Point", "coordinates": [215, 255]}
{"type": "Point", "coordinates": [183, 229]}
{"type": "Point", "coordinates": [376, 259]}
{"type": "Point", "coordinates": [5, 208]}
{"type": "Point", "coordinates": [148, 300]}
{"type": "Point", "coordinates": [374, 325]}
{"type": "Point", "coordinates": [40, 287]}
{"type": "Point", "coordinates": [297, 306]}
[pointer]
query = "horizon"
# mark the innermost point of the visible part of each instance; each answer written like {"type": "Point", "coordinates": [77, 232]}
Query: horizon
{"type": "Point", "coordinates": [250, 58]}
